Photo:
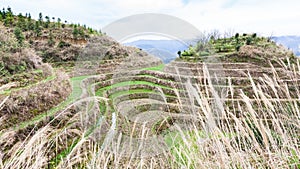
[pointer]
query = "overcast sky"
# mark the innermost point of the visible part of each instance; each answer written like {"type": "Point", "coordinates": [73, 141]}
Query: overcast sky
{"type": "Point", "coordinates": [276, 17]}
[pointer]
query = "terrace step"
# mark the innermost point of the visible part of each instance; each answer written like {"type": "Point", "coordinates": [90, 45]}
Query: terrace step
{"type": "Point", "coordinates": [225, 72]}
{"type": "Point", "coordinates": [150, 117]}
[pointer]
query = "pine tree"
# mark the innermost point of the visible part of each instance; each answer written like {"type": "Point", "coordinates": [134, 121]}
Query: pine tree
{"type": "Point", "coordinates": [30, 26]}
{"type": "Point", "coordinates": [53, 25]}
{"type": "Point", "coordinates": [75, 32]}
{"type": "Point", "coordinates": [81, 33]}
{"type": "Point", "coordinates": [19, 35]}
{"type": "Point", "coordinates": [37, 28]}
{"type": "Point", "coordinates": [237, 35]}
{"type": "Point", "coordinates": [40, 18]}
{"type": "Point", "coordinates": [29, 17]}
{"type": "Point", "coordinates": [8, 21]}
{"type": "Point", "coordinates": [3, 13]}
{"type": "Point", "coordinates": [47, 23]}
{"type": "Point", "coordinates": [9, 11]}
{"type": "Point", "coordinates": [58, 22]}
{"type": "Point", "coordinates": [179, 54]}
{"type": "Point", "coordinates": [51, 41]}
{"type": "Point", "coordinates": [21, 22]}
{"type": "Point", "coordinates": [29, 23]}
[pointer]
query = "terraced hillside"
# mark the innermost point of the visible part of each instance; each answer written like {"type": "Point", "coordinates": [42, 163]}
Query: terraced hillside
{"type": "Point", "coordinates": [151, 101]}
{"type": "Point", "coordinates": [216, 105]}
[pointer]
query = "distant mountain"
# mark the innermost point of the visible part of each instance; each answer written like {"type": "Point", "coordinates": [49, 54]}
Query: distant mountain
{"type": "Point", "coordinates": [291, 42]}
{"type": "Point", "coordinates": [166, 50]}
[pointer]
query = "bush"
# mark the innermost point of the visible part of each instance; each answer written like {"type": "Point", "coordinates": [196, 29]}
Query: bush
{"type": "Point", "coordinates": [19, 35]}
{"type": "Point", "coordinates": [179, 53]}
{"type": "Point", "coordinates": [237, 35]}
{"type": "Point", "coordinates": [63, 44]}
{"type": "Point", "coordinates": [248, 41]}
{"type": "Point", "coordinates": [237, 48]}
{"type": "Point", "coordinates": [204, 53]}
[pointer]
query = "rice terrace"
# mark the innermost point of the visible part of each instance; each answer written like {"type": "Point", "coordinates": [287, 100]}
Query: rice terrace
{"type": "Point", "coordinates": [73, 97]}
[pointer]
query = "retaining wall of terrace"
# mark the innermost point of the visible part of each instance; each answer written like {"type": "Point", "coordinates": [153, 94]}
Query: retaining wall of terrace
{"type": "Point", "coordinates": [27, 103]}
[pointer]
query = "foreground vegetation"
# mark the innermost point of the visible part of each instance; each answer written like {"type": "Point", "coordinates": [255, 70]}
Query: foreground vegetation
{"type": "Point", "coordinates": [263, 133]}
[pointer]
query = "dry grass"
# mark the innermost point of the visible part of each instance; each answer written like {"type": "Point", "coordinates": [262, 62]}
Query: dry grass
{"type": "Point", "coordinates": [265, 135]}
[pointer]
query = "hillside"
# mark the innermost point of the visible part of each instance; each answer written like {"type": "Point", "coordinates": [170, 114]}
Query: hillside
{"type": "Point", "coordinates": [240, 48]}
{"type": "Point", "coordinates": [29, 86]}
{"type": "Point", "coordinates": [167, 49]}
{"type": "Point", "coordinates": [53, 39]}
{"type": "Point", "coordinates": [82, 100]}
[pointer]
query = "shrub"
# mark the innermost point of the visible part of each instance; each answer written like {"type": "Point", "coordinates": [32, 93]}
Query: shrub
{"type": "Point", "coordinates": [237, 35]}
{"type": "Point", "coordinates": [51, 41]}
{"type": "Point", "coordinates": [237, 48]}
{"type": "Point", "coordinates": [179, 53]}
{"type": "Point", "coordinates": [248, 41]}
{"type": "Point", "coordinates": [19, 35]}
{"type": "Point", "coordinates": [204, 53]}
{"type": "Point", "coordinates": [63, 44]}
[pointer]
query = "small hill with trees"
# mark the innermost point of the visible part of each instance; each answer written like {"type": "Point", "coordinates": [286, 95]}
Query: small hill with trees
{"type": "Point", "coordinates": [239, 48]}
{"type": "Point", "coordinates": [54, 39]}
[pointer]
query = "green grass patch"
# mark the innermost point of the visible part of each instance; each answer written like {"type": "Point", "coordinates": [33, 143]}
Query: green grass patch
{"type": "Point", "coordinates": [182, 144]}
{"type": "Point", "coordinates": [7, 92]}
{"type": "Point", "coordinates": [63, 154]}
{"type": "Point", "coordinates": [57, 159]}
{"type": "Point", "coordinates": [117, 94]}
{"type": "Point", "coordinates": [100, 91]}
{"type": "Point", "coordinates": [76, 92]}
{"type": "Point", "coordinates": [155, 68]}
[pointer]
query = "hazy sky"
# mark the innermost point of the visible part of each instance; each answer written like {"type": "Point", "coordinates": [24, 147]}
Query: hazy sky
{"type": "Point", "coordinates": [276, 17]}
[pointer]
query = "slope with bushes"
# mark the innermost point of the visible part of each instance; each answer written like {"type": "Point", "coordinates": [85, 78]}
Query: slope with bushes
{"type": "Point", "coordinates": [239, 48]}
{"type": "Point", "coordinates": [53, 39]}
{"type": "Point", "coordinates": [29, 85]}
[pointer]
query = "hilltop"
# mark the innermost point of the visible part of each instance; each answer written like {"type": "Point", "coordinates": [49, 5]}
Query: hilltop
{"type": "Point", "coordinates": [53, 39]}
{"type": "Point", "coordinates": [240, 48]}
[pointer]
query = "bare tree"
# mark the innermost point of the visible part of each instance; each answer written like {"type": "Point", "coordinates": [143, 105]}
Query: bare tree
{"type": "Point", "coordinates": [229, 33]}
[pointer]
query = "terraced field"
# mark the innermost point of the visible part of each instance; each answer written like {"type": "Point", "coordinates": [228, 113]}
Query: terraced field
{"type": "Point", "coordinates": [142, 106]}
{"type": "Point", "coordinates": [133, 111]}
